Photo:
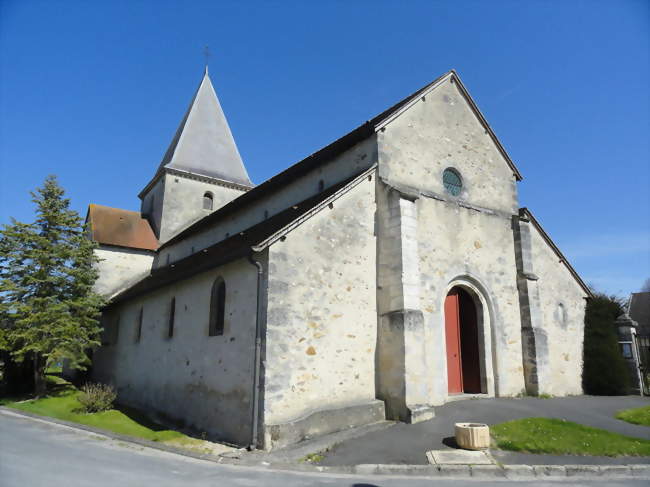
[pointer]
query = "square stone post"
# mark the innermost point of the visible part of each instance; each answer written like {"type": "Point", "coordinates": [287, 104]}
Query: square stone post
{"type": "Point", "coordinates": [533, 337]}
{"type": "Point", "coordinates": [402, 375]}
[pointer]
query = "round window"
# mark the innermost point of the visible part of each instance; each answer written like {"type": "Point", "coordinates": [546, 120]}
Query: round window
{"type": "Point", "coordinates": [451, 180]}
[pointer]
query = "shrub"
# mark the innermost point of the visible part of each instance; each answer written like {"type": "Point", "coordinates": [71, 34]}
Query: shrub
{"type": "Point", "coordinates": [96, 397]}
{"type": "Point", "coordinates": [604, 372]}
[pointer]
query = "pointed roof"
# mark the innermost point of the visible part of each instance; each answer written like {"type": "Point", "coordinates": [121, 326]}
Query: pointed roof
{"type": "Point", "coordinates": [203, 143]}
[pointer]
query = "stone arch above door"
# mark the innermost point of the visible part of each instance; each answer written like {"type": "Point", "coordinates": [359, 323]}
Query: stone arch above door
{"type": "Point", "coordinates": [485, 328]}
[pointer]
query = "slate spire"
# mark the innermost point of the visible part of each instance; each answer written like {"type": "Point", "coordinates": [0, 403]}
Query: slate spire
{"type": "Point", "coordinates": [203, 143]}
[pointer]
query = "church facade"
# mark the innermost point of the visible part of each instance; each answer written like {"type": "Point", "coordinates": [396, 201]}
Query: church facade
{"type": "Point", "coordinates": [384, 275]}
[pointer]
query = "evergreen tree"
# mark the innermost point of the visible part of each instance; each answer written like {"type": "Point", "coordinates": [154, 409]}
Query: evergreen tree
{"type": "Point", "coordinates": [48, 311]}
{"type": "Point", "coordinates": [604, 370]}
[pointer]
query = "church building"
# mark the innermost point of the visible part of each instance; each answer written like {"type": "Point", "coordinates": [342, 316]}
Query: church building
{"type": "Point", "coordinates": [386, 274]}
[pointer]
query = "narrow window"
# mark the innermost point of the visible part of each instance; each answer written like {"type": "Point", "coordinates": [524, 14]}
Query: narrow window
{"type": "Point", "coordinates": [138, 327]}
{"type": "Point", "coordinates": [116, 330]}
{"type": "Point", "coordinates": [172, 313]}
{"type": "Point", "coordinates": [217, 307]}
{"type": "Point", "coordinates": [207, 201]}
{"type": "Point", "coordinates": [106, 331]}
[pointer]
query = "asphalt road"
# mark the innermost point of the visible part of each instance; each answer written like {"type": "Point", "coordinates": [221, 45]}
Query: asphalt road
{"type": "Point", "coordinates": [35, 453]}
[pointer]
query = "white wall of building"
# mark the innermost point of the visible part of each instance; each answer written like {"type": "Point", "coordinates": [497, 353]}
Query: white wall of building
{"type": "Point", "coordinates": [183, 203]}
{"type": "Point", "coordinates": [119, 267]}
{"type": "Point", "coordinates": [562, 304]}
{"type": "Point", "coordinates": [459, 240]}
{"type": "Point", "coordinates": [321, 319]}
{"type": "Point", "coordinates": [203, 380]}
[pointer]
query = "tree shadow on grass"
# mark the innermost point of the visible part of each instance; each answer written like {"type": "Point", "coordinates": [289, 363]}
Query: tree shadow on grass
{"type": "Point", "coordinates": [142, 418]}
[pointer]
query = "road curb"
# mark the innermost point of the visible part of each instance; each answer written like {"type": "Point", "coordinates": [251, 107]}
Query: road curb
{"type": "Point", "coordinates": [506, 472]}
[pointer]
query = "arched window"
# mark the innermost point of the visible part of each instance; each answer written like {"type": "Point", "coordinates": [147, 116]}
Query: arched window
{"type": "Point", "coordinates": [217, 307]}
{"type": "Point", "coordinates": [208, 200]}
{"type": "Point", "coordinates": [172, 316]}
{"type": "Point", "coordinates": [116, 332]}
{"type": "Point", "coordinates": [138, 326]}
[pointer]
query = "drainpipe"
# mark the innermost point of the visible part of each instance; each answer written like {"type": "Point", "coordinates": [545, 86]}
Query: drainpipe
{"type": "Point", "coordinates": [258, 349]}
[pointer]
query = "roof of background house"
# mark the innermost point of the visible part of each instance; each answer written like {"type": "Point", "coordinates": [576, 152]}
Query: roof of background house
{"type": "Point", "coordinates": [640, 311]}
{"type": "Point", "coordinates": [334, 149]}
{"type": "Point", "coordinates": [123, 228]}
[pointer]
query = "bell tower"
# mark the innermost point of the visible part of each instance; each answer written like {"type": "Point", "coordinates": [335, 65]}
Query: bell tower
{"type": "Point", "coordinates": [200, 172]}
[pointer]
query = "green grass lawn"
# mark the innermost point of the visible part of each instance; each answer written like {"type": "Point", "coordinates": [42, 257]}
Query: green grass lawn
{"type": "Point", "coordinates": [61, 403]}
{"type": "Point", "coordinates": [556, 436]}
{"type": "Point", "coordinates": [636, 415]}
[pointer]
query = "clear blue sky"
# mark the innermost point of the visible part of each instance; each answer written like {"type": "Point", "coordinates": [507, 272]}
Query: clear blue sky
{"type": "Point", "coordinates": [93, 92]}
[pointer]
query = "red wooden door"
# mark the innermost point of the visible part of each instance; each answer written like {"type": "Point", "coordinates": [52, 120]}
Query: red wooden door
{"type": "Point", "coordinates": [452, 334]}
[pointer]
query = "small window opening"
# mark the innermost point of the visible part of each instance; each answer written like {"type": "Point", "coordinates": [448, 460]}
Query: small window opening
{"type": "Point", "coordinates": [116, 330]}
{"type": "Point", "coordinates": [217, 307]}
{"type": "Point", "coordinates": [106, 331]}
{"type": "Point", "coordinates": [452, 181]}
{"type": "Point", "coordinates": [172, 316]}
{"type": "Point", "coordinates": [138, 327]}
{"type": "Point", "coordinates": [208, 201]}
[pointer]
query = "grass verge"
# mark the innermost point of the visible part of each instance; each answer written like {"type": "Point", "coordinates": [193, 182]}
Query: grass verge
{"type": "Point", "coordinates": [61, 403]}
{"type": "Point", "coordinates": [560, 437]}
{"type": "Point", "coordinates": [635, 416]}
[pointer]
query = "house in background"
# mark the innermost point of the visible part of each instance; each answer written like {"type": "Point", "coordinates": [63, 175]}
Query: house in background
{"type": "Point", "coordinates": [634, 340]}
{"type": "Point", "coordinates": [386, 274]}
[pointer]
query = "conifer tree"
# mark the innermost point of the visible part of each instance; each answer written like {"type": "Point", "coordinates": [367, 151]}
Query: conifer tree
{"type": "Point", "coordinates": [48, 310]}
{"type": "Point", "coordinates": [604, 371]}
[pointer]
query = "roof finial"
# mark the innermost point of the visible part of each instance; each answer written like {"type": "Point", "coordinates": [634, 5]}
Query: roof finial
{"type": "Point", "coordinates": [206, 53]}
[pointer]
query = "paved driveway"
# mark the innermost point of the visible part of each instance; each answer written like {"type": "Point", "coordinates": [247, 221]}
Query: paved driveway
{"type": "Point", "coordinates": [406, 443]}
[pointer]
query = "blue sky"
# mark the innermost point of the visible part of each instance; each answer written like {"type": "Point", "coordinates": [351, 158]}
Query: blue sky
{"type": "Point", "coordinates": [93, 92]}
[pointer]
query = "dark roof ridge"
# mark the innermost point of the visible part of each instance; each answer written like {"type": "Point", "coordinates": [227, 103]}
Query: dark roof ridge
{"type": "Point", "coordinates": [526, 212]}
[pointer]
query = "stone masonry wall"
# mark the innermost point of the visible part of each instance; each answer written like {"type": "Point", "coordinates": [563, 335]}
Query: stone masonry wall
{"type": "Point", "coordinates": [462, 240]}
{"type": "Point", "coordinates": [204, 381]}
{"type": "Point", "coordinates": [321, 322]}
{"type": "Point", "coordinates": [562, 305]}
{"type": "Point", "coordinates": [119, 267]}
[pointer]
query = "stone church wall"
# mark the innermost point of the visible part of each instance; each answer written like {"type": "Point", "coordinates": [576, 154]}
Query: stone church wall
{"type": "Point", "coordinates": [206, 380]}
{"type": "Point", "coordinates": [184, 202]}
{"type": "Point", "coordinates": [562, 305]}
{"type": "Point", "coordinates": [464, 240]}
{"type": "Point", "coordinates": [459, 246]}
{"type": "Point", "coordinates": [440, 132]}
{"type": "Point", "coordinates": [120, 267]}
{"type": "Point", "coordinates": [321, 323]}
{"type": "Point", "coordinates": [347, 164]}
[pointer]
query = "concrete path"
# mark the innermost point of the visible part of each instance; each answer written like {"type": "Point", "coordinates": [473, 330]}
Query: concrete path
{"type": "Point", "coordinates": [407, 443]}
{"type": "Point", "coordinates": [37, 453]}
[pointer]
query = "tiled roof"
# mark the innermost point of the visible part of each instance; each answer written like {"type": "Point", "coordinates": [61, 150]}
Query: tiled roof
{"type": "Point", "coordinates": [123, 228]}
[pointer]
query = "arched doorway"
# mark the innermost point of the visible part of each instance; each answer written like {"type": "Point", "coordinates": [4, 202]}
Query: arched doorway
{"type": "Point", "coordinates": [462, 340]}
